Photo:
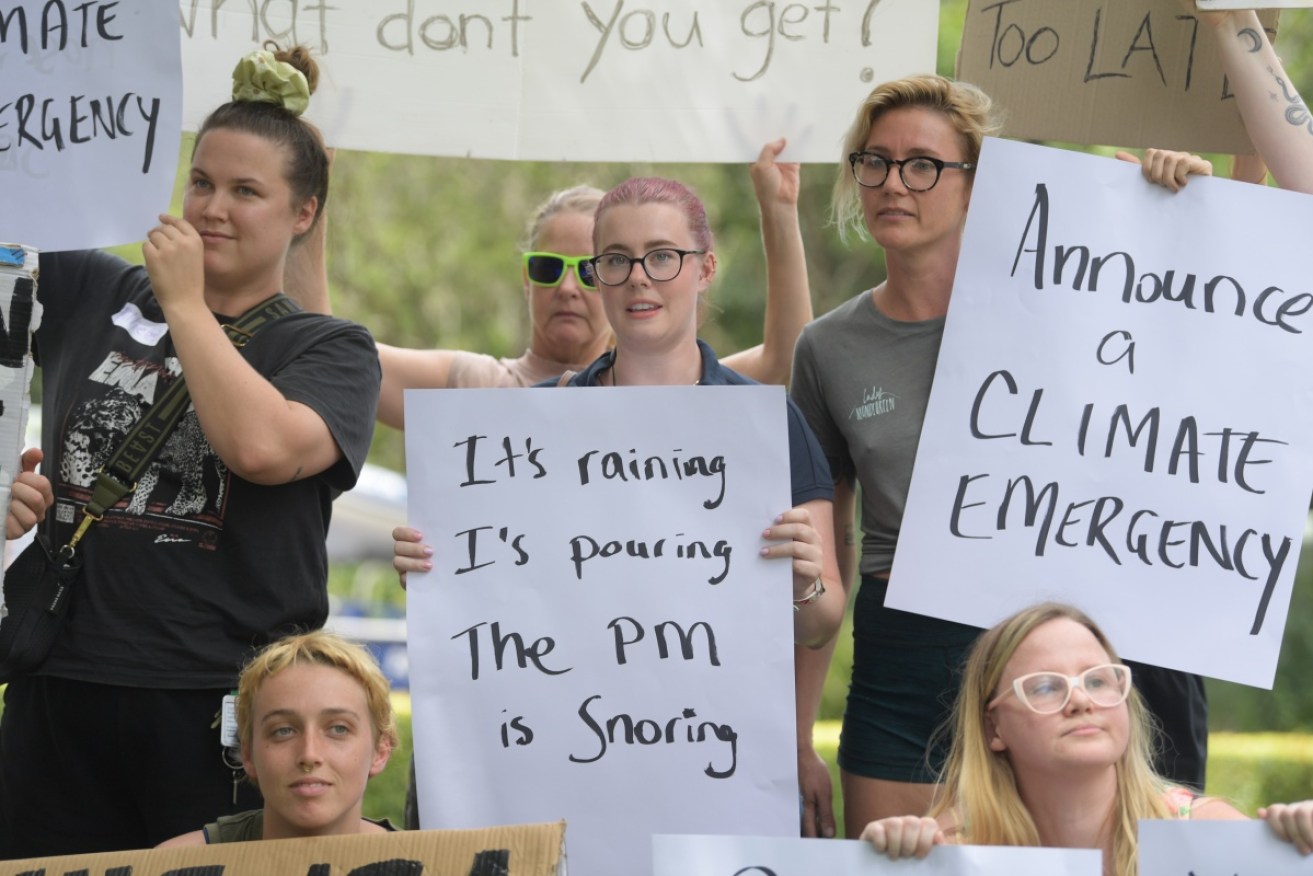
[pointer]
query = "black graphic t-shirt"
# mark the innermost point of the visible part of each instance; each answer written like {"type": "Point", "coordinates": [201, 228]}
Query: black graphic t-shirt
{"type": "Point", "coordinates": [196, 567]}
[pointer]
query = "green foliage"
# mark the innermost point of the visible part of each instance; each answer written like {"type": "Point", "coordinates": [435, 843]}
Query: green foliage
{"type": "Point", "coordinates": [1288, 705]}
{"type": "Point", "coordinates": [1253, 770]}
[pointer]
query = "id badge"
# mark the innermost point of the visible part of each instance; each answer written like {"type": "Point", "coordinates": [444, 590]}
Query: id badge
{"type": "Point", "coordinates": [228, 722]}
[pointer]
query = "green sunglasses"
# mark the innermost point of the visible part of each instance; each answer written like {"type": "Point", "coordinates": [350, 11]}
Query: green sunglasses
{"type": "Point", "coordinates": [548, 269]}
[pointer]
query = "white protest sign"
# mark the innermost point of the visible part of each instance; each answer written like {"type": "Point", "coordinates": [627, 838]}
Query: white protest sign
{"type": "Point", "coordinates": [600, 639]}
{"type": "Point", "coordinates": [1122, 412]}
{"type": "Point", "coordinates": [598, 80]}
{"type": "Point", "coordinates": [1217, 848]}
{"type": "Point", "coordinates": [772, 856]}
{"type": "Point", "coordinates": [90, 116]}
{"type": "Point", "coordinates": [20, 314]}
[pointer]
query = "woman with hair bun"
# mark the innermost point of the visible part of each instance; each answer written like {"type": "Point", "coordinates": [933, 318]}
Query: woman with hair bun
{"type": "Point", "coordinates": [114, 741]}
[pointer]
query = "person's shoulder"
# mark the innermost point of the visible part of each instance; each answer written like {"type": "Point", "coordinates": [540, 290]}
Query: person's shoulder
{"type": "Point", "coordinates": [840, 313]}
{"type": "Point", "coordinates": [194, 838]}
{"type": "Point", "coordinates": [73, 269]}
{"type": "Point", "coordinates": [729, 377]}
{"type": "Point", "coordinates": [1213, 809]}
{"type": "Point", "coordinates": [312, 329]}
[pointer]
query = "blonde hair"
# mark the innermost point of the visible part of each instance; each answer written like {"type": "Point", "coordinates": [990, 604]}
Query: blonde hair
{"type": "Point", "coordinates": [577, 199]}
{"type": "Point", "coordinates": [318, 648]}
{"type": "Point", "coordinates": [979, 788]}
{"type": "Point", "coordinates": [967, 108]}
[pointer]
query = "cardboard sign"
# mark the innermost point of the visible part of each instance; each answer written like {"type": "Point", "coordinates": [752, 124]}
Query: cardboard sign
{"type": "Point", "coordinates": [1254, 4]}
{"type": "Point", "coordinates": [1214, 848]}
{"type": "Point", "coordinates": [20, 314]}
{"type": "Point", "coordinates": [762, 856]}
{"type": "Point", "coordinates": [1132, 73]}
{"type": "Point", "coordinates": [520, 850]}
{"type": "Point", "coordinates": [600, 639]}
{"type": "Point", "coordinates": [1122, 412]}
{"type": "Point", "coordinates": [598, 80]}
{"type": "Point", "coordinates": [90, 109]}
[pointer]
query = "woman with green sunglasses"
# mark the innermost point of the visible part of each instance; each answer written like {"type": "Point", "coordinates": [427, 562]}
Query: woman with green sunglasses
{"type": "Point", "coordinates": [568, 326]}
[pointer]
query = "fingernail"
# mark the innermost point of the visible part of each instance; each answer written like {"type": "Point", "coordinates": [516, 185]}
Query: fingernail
{"type": "Point", "coordinates": [765, 533]}
{"type": "Point", "coordinates": [765, 552]}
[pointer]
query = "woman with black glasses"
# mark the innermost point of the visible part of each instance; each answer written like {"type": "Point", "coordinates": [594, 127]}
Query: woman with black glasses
{"type": "Point", "coordinates": [568, 328]}
{"type": "Point", "coordinates": [862, 375]}
{"type": "Point", "coordinates": [656, 262]}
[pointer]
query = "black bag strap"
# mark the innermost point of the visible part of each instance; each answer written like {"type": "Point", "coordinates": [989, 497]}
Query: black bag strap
{"type": "Point", "coordinates": [145, 440]}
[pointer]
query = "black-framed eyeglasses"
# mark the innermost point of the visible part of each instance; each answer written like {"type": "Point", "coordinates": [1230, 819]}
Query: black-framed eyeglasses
{"type": "Point", "coordinates": [549, 268]}
{"type": "Point", "coordinates": [614, 268]}
{"type": "Point", "coordinates": [1047, 693]}
{"type": "Point", "coordinates": [919, 173]}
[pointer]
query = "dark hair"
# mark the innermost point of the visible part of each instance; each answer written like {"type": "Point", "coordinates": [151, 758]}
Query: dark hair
{"type": "Point", "coordinates": [307, 164]}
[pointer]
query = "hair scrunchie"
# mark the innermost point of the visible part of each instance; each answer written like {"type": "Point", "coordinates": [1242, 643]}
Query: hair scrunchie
{"type": "Point", "coordinates": [262, 77]}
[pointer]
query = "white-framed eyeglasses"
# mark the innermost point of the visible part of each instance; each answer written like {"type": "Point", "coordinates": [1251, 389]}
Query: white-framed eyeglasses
{"type": "Point", "coordinates": [1106, 685]}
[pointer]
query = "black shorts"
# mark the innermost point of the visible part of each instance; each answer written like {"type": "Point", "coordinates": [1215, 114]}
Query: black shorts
{"type": "Point", "coordinates": [93, 768]}
{"type": "Point", "coordinates": [906, 672]}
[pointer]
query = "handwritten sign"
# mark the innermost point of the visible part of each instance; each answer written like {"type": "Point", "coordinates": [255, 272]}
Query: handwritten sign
{"type": "Point", "coordinates": [600, 639]}
{"type": "Point", "coordinates": [771, 856]}
{"type": "Point", "coordinates": [1117, 72]}
{"type": "Point", "coordinates": [599, 80]}
{"type": "Point", "coordinates": [518, 850]}
{"type": "Point", "coordinates": [1217, 848]}
{"type": "Point", "coordinates": [90, 115]}
{"type": "Point", "coordinates": [1254, 4]}
{"type": "Point", "coordinates": [1122, 413]}
{"type": "Point", "coordinates": [20, 314]}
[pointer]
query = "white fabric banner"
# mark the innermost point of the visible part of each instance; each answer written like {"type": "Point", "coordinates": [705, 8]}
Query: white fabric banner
{"type": "Point", "coordinates": [598, 80]}
{"type": "Point", "coordinates": [600, 639]}
{"type": "Point", "coordinates": [1204, 848]}
{"type": "Point", "coordinates": [1122, 413]}
{"type": "Point", "coordinates": [770, 856]}
{"type": "Point", "coordinates": [90, 116]}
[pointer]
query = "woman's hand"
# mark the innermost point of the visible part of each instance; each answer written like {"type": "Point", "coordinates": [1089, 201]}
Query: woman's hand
{"type": "Point", "coordinates": [904, 836]}
{"type": "Point", "coordinates": [1169, 169]}
{"type": "Point", "coordinates": [796, 538]}
{"type": "Point", "coordinates": [408, 554]}
{"type": "Point", "coordinates": [30, 496]}
{"type": "Point", "coordinates": [817, 791]}
{"type": "Point", "coordinates": [1213, 19]}
{"type": "Point", "coordinates": [175, 260]}
{"type": "Point", "coordinates": [775, 183]}
{"type": "Point", "coordinates": [1293, 822]}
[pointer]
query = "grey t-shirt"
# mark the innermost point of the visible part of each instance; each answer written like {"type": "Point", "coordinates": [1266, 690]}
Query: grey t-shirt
{"type": "Point", "coordinates": [863, 380]}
